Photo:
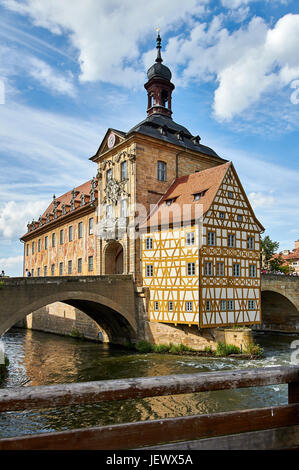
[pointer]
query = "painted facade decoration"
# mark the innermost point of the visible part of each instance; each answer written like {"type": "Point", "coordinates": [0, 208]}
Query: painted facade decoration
{"type": "Point", "coordinates": [63, 241]}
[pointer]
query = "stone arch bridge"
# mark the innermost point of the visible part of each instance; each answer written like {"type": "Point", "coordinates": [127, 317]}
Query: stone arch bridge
{"type": "Point", "coordinates": [109, 300]}
{"type": "Point", "coordinates": [280, 303]}
{"type": "Point", "coordinates": [112, 301]}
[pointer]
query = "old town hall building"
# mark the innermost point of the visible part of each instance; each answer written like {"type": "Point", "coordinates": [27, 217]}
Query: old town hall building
{"type": "Point", "coordinates": [166, 209]}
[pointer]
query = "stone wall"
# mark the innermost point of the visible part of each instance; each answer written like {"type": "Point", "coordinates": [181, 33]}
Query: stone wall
{"type": "Point", "coordinates": [163, 333]}
{"type": "Point", "coordinates": [63, 319]}
{"type": "Point", "coordinates": [240, 338]}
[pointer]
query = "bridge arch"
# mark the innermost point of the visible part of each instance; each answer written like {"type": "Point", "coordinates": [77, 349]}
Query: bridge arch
{"type": "Point", "coordinates": [279, 309]}
{"type": "Point", "coordinates": [109, 301]}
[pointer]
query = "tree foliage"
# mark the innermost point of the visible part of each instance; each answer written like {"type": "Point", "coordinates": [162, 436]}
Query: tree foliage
{"type": "Point", "coordinates": [268, 248]}
{"type": "Point", "coordinates": [276, 263]}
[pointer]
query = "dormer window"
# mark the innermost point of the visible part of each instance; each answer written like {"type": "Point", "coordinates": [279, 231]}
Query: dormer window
{"type": "Point", "coordinates": [196, 139]}
{"type": "Point", "coordinates": [55, 205]}
{"type": "Point", "coordinates": [92, 190]}
{"type": "Point", "coordinates": [163, 130]}
{"type": "Point", "coordinates": [170, 201]}
{"type": "Point", "coordinates": [197, 196]}
{"type": "Point", "coordinates": [74, 193]}
{"type": "Point", "coordinates": [180, 135]}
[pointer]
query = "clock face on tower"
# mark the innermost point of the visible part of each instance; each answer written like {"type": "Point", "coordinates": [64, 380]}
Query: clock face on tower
{"type": "Point", "coordinates": [111, 140]}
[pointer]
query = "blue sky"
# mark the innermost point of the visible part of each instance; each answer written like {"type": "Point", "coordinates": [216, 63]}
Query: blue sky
{"type": "Point", "coordinates": [70, 69]}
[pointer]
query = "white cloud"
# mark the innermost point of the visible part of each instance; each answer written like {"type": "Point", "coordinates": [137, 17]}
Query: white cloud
{"type": "Point", "coordinates": [237, 3]}
{"type": "Point", "coordinates": [107, 34]}
{"type": "Point", "coordinates": [12, 265]}
{"type": "Point", "coordinates": [41, 153]}
{"type": "Point", "coordinates": [14, 217]}
{"type": "Point", "coordinates": [14, 61]}
{"type": "Point", "coordinates": [261, 199]}
{"type": "Point", "coordinates": [48, 149]}
{"type": "Point", "coordinates": [272, 189]}
{"type": "Point", "coordinates": [239, 14]}
{"type": "Point", "coordinates": [50, 79]}
{"type": "Point", "coordinates": [247, 62]}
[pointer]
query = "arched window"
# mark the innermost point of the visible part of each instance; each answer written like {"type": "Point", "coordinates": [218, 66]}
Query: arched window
{"type": "Point", "coordinates": [164, 98]}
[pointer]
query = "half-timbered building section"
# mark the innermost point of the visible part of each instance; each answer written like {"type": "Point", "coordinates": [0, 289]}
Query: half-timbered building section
{"type": "Point", "coordinates": [230, 258]}
{"type": "Point", "coordinates": [171, 272]}
{"type": "Point", "coordinates": [200, 252]}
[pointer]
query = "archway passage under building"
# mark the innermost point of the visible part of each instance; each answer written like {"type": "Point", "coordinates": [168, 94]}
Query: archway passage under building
{"type": "Point", "coordinates": [114, 258]}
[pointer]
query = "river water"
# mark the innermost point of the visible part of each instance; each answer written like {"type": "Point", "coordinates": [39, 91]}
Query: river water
{"type": "Point", "coordinates": [38, 358]}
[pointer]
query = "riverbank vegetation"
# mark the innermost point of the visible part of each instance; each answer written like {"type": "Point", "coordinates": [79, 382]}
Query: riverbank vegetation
{"type": "Point", "coordinates": [222, 350]}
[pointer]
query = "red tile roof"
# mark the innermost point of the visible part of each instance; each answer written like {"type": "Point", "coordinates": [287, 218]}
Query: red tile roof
{"type": "Point", "coordinates": [292, 255]}
{"type": "Point", "coordinates": [183, 190]}
{"type": "Point", "coordinates": [66, 199]}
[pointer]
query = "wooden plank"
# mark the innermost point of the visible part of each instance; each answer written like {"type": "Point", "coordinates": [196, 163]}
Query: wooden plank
{"type": "Point", "coordinates": [90, 392]}
{"type": "Point", "coordinates": [293, 392]}
{"type": "Point", "coordinates": [286, 438]}
{"type": "Point", "coordinates": [146, 433]}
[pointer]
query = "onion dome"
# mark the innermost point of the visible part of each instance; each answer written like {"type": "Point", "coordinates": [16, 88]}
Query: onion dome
{"type": "Point", "coordinates": [158, 69]}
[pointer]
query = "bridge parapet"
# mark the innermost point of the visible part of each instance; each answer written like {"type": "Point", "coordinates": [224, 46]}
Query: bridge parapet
{"type": "Point", "coordinates": [280, 278]}
{"type": "Point", "coordinates": [282, 284]}
{"type": "Point", "coordinates": [17, 281]}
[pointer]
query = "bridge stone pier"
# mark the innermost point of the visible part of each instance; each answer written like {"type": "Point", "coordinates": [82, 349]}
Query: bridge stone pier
{"type": "Point", "coordinates": [280, 303]}
{"type": "Point", "coordinates": [108, 300]}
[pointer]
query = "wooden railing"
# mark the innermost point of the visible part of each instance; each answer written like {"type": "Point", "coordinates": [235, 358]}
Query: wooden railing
{"type": "Point", "coordinates": [260, 428]}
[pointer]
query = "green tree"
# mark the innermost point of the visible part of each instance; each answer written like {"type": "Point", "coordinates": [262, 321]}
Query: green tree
{"type": "Point", "coordinates": [276, 263]}
{"type": "Point", "coordinates": [286, 269]}
{"type": "Point", "coordinates": [268, 248]}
